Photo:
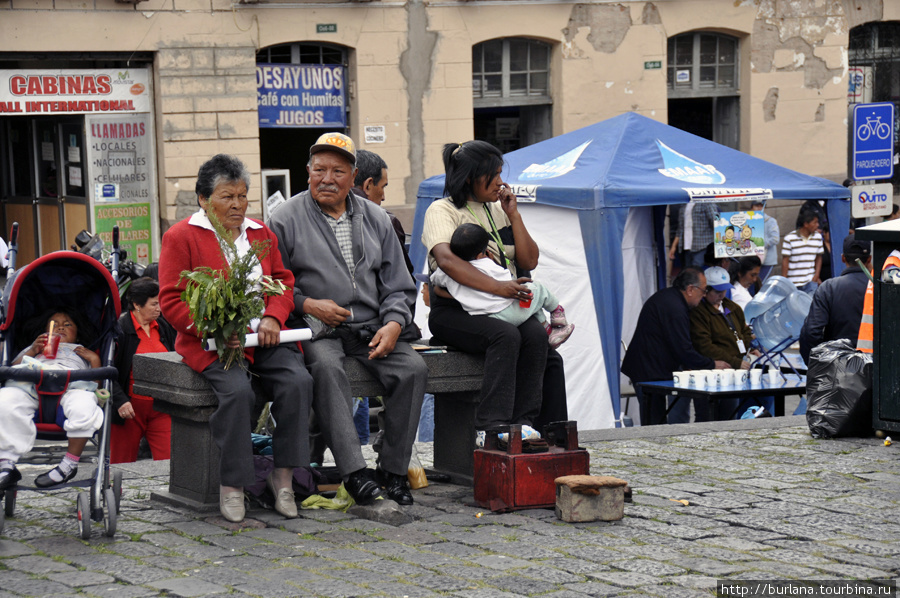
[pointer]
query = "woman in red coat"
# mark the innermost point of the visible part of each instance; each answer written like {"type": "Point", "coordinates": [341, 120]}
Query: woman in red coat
{"type": "Point", "coordinates": [222, 184]}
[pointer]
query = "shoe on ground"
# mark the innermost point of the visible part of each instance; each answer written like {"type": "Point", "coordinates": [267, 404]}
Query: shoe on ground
{"type": "Point", "coordinates": [285, 503]}
{"type": "Point", "coordinates": [560, 335]}
{"type": "Point", "coordinates": [231, 505]}
{"type": "Point", "coordinates": [9, 478]}
{"type": "Point", "coordinates": [558, 317]}
{"type": "Point", "coordinates": [362, 487]}
{"type": "Point", "coordinates": [528, 433]}
{"type": "Point", "coordinates": [45, 481]}
{"type": "Point", "coordinates": [395, 486]}
{"type": "Point", "coordinates": [479, 438]}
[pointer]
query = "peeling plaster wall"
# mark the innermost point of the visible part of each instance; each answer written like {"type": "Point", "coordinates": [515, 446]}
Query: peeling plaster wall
{"type": "Point", "coordinates": [798, 98]}
{"type": "Point", "coordinates": [410, 69]}
{"type": "Point", "coordinates": [858, 12]}
{"type": "Point", "coordinates": [606, 24]}
{"type": "Point", "coordinates": [607, 66]}
{"type": "Point", "coordinates": [416, 65]}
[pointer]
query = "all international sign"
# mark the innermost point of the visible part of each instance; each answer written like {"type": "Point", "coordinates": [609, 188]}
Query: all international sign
{"type": "Point", "coordinates": [301, 95]}
{"type": "Point", "coordinates": [74, 91]}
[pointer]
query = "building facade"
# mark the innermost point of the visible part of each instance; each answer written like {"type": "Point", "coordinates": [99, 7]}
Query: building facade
{"type": "Point", "coordinates": [108, 108]}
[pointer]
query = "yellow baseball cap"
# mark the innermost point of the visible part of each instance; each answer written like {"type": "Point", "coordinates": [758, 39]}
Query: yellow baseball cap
{"type": "Point", "coordinates": [335, 142]}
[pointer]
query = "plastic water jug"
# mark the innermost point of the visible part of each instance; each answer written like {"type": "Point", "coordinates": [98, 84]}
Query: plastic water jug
{"type": "Point", "coordinates": [779, 326]}
{"type": "Point", "coordinates": [772, 292]}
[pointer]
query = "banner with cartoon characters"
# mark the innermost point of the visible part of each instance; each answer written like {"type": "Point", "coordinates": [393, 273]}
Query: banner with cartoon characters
{"type": "Point", "coordinates": [740, 234]}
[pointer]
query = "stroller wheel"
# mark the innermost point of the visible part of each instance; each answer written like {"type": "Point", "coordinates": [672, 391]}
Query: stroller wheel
{"type": "Point", "coordinates": [84, 515]}
{"type": "Point", "coordinates": [110, 516]}
{"type": "Point", "coordinates": [9, 506]}
{"type": "Point", "coordinates": [117, 489]}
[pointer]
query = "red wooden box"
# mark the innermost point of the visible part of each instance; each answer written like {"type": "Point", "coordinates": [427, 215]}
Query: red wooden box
{"type": "Point", "coordinates": [510, 480]}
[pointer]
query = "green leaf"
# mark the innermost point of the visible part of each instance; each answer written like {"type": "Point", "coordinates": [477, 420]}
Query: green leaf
{"type": "Point", "coordinates": [223, 302]}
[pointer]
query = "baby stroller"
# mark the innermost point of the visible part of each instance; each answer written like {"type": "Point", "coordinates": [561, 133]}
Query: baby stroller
{"type": "Point", "coordinates": [65, 278]}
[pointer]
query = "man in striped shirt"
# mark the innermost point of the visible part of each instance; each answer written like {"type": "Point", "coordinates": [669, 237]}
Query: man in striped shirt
{"type": "Point", "coordinates": [802, 252]}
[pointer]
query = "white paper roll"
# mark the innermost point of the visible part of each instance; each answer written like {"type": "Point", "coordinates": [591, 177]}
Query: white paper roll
{"type": "Point", "coordinates": [287, 336]}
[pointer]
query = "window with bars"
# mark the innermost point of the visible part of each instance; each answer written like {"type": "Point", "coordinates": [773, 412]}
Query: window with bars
{"type": "Point", "coordinates": [511, 71]}
{"type": "Point", "coordinates": [302, 54]}
{"type": "Point", "coordinates": [702, 64]}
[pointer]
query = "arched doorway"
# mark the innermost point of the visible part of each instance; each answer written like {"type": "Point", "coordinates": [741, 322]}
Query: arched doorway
{"type": "Point", "coordinates": [704, 97]}
{"type": "Point", "coordinates": [284, 145]}
{"type": "Point", "coordinates": [511, 92]}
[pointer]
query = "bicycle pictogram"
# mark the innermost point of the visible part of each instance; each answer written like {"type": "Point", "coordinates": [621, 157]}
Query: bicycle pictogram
{"type": "Point", "coordinates": [873, 126]}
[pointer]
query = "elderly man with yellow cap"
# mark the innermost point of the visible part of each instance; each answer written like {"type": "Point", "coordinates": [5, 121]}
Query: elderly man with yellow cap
{"type": "Point", "coordinates": [352, 287]}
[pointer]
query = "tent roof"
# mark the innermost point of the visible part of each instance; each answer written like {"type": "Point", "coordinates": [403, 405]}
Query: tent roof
{"type": "Point", "coordinates": [624, 161]}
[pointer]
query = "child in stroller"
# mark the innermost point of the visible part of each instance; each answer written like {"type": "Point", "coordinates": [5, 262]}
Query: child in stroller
{"type": "Point", "coordinates": [19, 400]}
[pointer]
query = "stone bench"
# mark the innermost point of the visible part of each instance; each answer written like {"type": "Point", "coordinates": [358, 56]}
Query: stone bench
{"type": "Point", "coordinates": [454, 379]}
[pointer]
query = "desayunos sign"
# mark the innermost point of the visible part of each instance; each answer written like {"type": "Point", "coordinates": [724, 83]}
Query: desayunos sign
{"type": "Point", "coordinates": [300, 95]}
{"type": "Point", "coordinates": [74, 91]}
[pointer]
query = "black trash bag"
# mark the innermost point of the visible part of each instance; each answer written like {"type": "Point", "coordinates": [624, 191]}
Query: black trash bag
{"type": "Point", "coordinates": [839, 391]}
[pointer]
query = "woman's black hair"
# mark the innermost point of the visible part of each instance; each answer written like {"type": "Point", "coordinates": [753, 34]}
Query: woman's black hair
{"type": "Point", "coordinates": [738, 268]}
{"type": "Point", "coordinates": [466, 163]}
{"type": "Point", "coordinates": [87, 332]}
{"type": "Point", "coordinates": [468, 241]}
{"type": "Point", "coordinates": [152, 271]}
{"type": "Point", "coordinates": [140, 291]}
{"type": "Point", "coordinates": [219, 169]}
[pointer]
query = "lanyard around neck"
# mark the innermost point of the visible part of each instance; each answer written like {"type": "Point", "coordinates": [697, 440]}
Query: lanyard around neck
{"type": "Point", "coordinates": [493, 232]}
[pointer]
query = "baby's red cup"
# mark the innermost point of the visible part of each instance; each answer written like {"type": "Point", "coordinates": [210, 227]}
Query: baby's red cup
{"type": "Point", "coordinates": [51, 347]}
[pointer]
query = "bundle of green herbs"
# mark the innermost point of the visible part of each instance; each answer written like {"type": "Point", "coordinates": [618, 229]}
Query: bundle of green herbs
{"type": "Point", "coordinates": [222, 303]}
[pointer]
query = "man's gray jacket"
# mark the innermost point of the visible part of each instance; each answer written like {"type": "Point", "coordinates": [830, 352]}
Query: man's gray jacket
{"type": "Point", "coordinates": [380, 290]}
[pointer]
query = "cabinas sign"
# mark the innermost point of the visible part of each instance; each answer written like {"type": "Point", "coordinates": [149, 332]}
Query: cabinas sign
{"type": "Point", "coordinates": [300, 95]}
{"type": "Point", "coordinates": [74, 91]}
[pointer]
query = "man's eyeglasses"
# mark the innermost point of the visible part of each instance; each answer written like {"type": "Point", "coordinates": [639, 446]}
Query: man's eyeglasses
{"type": "Point", "coordinates": [702, 290]}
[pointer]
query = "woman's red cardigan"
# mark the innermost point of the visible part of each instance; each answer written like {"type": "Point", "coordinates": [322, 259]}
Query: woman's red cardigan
{"type": "Point", "coordinates": [184, 247]}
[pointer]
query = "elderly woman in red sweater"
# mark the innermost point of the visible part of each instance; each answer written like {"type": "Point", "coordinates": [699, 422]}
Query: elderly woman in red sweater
{"type": "Point", "coordinates": [222, 184]}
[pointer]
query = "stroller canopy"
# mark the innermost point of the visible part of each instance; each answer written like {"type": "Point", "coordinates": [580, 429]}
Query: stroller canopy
{"type": "Point", "coordinates": [60, 279]}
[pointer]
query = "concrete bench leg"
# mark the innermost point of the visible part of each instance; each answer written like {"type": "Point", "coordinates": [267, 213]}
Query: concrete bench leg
{"type": "Point", "coordinates": [193, 468]}
{"type": "Point", "coordinates": [454, 435]}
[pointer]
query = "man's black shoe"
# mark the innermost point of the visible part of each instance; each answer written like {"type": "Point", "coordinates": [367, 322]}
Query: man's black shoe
{"type": "Point", "coordinates": [9, 478]}
{"type": "Point", "coordinates": [362, 487]}
{"type": "Point", "coordinates": [45, 481]}
{"type": "Point", "coordinates": [395, 486]}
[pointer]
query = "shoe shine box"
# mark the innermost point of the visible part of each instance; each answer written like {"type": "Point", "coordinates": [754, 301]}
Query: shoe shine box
{"type": "Point", "coordinates": [510, 479]}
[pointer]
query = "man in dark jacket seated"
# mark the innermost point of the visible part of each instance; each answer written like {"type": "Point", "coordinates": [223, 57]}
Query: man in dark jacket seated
{"type": "Point", "coordinates": [838, 303]}
{"type": "Point", "coordinates": [661, 344]}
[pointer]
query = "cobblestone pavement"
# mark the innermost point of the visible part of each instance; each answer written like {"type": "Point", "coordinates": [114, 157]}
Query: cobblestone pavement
{"type": "Point", "coordinates": [763, 501]}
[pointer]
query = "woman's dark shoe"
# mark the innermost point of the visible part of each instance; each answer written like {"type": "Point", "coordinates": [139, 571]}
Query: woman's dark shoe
{"type": "Point", "coordinates": [45, 481]}
{"type": "Point", "coordinates": [395, 486]}
{"type": "Point", "coordinates": [9, 478]}
{"type": "Point", "coordinates": [362, 487]}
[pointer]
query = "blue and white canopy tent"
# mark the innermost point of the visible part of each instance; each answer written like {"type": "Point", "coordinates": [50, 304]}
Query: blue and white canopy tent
{"type": "Point", "coordinates": [594, 201]}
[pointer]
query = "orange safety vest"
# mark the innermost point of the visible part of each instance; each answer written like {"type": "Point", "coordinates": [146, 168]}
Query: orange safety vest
{"type": "Point", "coordinates": [866, 340]}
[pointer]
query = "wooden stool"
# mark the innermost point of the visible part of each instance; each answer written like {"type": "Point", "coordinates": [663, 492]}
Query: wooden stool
{"type": "Point", "coordinates": [590, 498]}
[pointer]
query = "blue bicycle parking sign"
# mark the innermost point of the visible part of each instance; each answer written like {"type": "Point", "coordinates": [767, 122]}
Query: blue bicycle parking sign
{"type": "Point", "coordinates": [873, 141]}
